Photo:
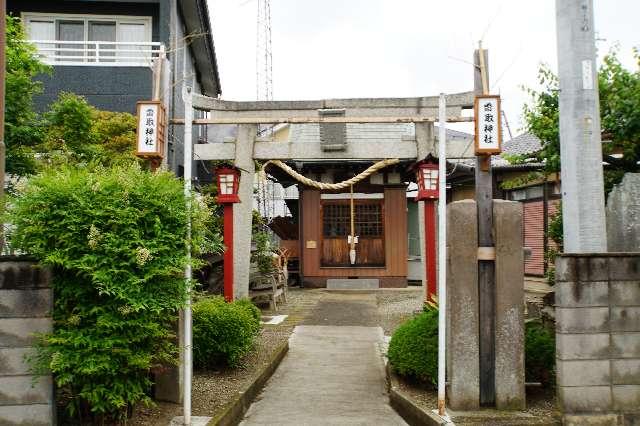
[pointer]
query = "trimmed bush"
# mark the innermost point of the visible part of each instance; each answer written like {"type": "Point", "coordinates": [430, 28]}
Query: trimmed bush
{"type": "Point", "coordinates": [223, 332]}
{"type": "Point", "coordinates": [115, 239]}
{"type": "Point", "coordinates": [413, 350]}
{"type": "Point", "coordinates": [540, 353]}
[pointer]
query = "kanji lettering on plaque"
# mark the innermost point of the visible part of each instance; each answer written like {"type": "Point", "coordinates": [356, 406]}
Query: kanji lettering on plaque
{"type": "Point", "coordinates": [487, 120]}
{"type": "Point", "coordinates": [150, 129]}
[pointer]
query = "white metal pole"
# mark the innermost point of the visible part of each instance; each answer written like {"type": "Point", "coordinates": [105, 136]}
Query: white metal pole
{"type": "Point", "coordinates": [188, 156]}
{"type": "Point", "coordinates": [442, 252]}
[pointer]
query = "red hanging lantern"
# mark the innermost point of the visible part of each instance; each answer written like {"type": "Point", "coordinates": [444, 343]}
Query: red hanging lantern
{"type": "Point", "coordinates": [427, 179]}
{"type": "Point", "coordinates": [228, 184]}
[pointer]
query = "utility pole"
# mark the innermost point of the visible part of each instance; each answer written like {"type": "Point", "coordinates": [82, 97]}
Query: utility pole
{"type": "Point", "coordinates": [580, 144]}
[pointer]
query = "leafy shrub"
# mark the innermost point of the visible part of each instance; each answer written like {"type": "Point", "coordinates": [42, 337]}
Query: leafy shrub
{"type": "Point", "coordinates": [115, 239]}
{"type": "Point", "coordinates": [77, 132]}
{"type": "Point", "coordinates": [223, 332]}
{"type": "Point", "coordinates": [540, 353]}
{"type": "Point", "coordinates": [413, 350]}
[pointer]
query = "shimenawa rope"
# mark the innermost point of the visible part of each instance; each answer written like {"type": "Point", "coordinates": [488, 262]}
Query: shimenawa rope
{"type": "Point", "coordinates": [332, 186]}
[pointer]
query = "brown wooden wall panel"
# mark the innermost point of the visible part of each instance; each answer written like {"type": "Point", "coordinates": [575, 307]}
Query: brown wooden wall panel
{"type": "Point", "coordinates": [292, 246]}
{"type": "Point", "coordinates": [395, 223]}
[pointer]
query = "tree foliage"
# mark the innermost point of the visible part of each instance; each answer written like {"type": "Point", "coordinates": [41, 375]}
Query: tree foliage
{"type": "Point", "coordinates": [71, 131]}
{"type": "Point", "coordinates": [22, 132]}
{"type": "Point", "coordinates": [619, 90]}
{"type": "Point", "coordinates": [115, 239]}
{"type": "Point", "coordinates": [76, 132]}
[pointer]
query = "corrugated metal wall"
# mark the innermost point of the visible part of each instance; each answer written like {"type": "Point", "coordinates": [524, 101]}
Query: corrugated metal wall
{"type": "Point", "coordinates": [534, 233]}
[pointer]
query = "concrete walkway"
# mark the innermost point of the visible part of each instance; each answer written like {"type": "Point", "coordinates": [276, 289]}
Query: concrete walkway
{"type": "Point", "coordinates": [332, 375]}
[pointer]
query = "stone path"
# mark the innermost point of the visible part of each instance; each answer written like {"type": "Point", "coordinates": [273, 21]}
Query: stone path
{"type": "Point", "coordinates": [333, 373]}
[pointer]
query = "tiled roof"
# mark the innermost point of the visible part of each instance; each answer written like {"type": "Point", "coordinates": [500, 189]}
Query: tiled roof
{"type": "Point", "coordinates": [526, 143]}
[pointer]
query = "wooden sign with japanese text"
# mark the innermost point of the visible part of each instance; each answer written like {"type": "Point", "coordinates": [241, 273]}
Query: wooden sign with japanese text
{"type": "Point", "coordinates": [488, 134]}
{"type": "Point", "coordinates": [151, 129]}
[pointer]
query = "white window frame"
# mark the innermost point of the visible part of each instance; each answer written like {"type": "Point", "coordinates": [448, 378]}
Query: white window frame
{"type": "Point", "coordinates": [147, 21]}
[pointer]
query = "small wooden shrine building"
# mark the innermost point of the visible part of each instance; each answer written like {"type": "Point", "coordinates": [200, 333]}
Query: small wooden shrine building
{"type": "Point", "coordinates": [322, 219]}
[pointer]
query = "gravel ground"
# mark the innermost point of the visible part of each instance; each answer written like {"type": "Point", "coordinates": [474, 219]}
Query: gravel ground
{"type": "Point", "coordinates": [214, 389]}
{"type": "Point", "coordinates": [397, 306]}
{"type": "Point", "coordinates": [541, 406]}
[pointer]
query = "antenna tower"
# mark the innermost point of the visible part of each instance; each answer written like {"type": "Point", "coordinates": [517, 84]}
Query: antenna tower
{"type": "Point", "coordinates": [264, 66]}
{"type": "Point", "coordinates": [264, 92]}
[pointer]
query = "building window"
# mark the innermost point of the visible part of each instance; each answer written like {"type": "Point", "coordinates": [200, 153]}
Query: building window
{"type": "Point", "coordinates": [528, 193]}
{"type": "Point", "coordinates": [336, 220]}
{"type": "Point", "coordinates": [91, 39]}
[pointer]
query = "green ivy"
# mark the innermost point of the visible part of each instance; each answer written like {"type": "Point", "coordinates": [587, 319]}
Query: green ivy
{"type": "Point", "coordinates": [115, 239]}
{"type": "Point", "coordinates": [554, 232]}
{"type": "Point", "coordinates": [263, 255]}
{"type": "Point", "coordinates": [520, 181]}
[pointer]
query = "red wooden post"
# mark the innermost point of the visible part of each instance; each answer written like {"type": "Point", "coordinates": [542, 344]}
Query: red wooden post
{"type": "Point", "coordinates": [427, 179]}
{"type": "Point", "coordinates": [228, 253]}
{"type": "Point", "coordinates": [430, 246]}
{"type": "Point", "coordinates": [228, 183]}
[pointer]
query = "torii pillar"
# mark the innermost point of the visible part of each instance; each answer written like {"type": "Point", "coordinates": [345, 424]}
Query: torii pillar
{"type": "Point", "coordinates": [243, 212]}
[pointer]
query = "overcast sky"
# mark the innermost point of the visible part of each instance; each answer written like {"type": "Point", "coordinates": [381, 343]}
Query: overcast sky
{"type": "Point", "coordinates": [402, 48]}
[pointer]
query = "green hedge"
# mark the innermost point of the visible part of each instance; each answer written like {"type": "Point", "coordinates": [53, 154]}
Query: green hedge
{"type": "Point", "coordinates": [223, 332]}
{"type": "Point", "coordinates": [413, 350]}
{"type": "Point", "coordinates": [115, 239]}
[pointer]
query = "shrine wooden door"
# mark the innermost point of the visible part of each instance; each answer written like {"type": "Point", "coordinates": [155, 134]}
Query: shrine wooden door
{"type": "Point", "coordinates": [336, 227]}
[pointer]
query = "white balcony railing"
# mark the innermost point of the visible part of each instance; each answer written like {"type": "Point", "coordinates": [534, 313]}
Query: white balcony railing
{"type": "Point", "coordinates": [100, 53]}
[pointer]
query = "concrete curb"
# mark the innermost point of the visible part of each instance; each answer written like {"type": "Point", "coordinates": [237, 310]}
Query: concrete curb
{"type": "Point", "coordinates": [234, 411]}
{"type": "Point", "coordinates": [405, 407]}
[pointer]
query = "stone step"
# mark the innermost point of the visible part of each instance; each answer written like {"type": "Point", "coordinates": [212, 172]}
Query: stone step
{"type": "Point", "coordinates": [353, 284]}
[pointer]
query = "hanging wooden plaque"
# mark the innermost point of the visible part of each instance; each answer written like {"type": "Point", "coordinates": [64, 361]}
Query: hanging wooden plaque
{"type": "Point", "coordinates": [151, 129]}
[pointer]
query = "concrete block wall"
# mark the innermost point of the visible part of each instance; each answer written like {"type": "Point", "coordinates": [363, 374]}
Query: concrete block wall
{"type": "Point", "coordinates": [598, 338]}
{"type": "Point", "coordinates": [26, 301]}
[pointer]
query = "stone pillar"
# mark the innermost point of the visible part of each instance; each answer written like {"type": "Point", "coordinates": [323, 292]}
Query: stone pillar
{"type": "Point", "coordinates": [598, 338]}
{"type": "Point", "coordinates": [242, 212]}
{"type": "Point", "coordinates": [463, 310]}
{"type": "Point", "coordinates": [509, 275]}
{"type": "Point", "coordinates": [623, 215]}
{"type": "Point", "coordinates": [462, 306]}
{"type": "Point", "coordinates": [26, 302]}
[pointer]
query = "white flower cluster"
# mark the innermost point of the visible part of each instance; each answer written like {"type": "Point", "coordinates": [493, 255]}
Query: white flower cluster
{"type": "Point", "coordinates": [93, 237]}
{"type": "Point", "coordinates": [143, 255]}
